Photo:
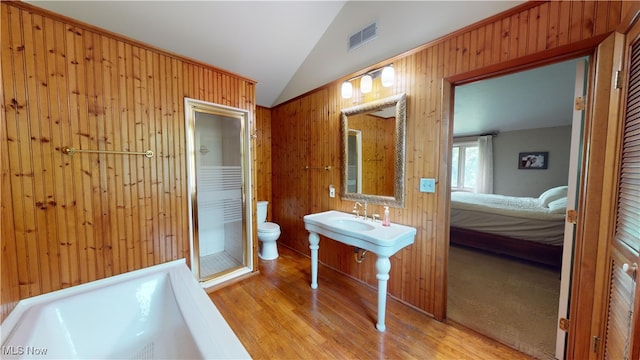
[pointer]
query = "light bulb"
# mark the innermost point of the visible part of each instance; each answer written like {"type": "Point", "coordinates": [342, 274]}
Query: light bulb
{"type": "Point", "coordinates": [366, 83]}
{"type": "Point", "coordinates": [387, 76]}
{"type": "Point", "coordinates": [347, 90]}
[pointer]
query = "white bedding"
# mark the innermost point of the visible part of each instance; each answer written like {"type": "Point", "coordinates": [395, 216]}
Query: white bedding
{"type": "Point", "coordinates": [524, 207]}
{"type": "Point", "coordinates": [516, 217]}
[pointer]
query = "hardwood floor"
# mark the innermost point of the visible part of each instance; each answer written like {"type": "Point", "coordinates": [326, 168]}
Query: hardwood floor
{"type": "Point", "coordinates": [276, 315]}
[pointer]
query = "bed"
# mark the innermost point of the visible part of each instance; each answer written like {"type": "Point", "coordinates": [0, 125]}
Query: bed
{"type": "Point", "coordinates": [523, 227]}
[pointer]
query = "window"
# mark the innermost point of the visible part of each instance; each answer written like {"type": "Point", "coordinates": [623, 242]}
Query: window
{"type": "Point", "coordinates": [464, 166]}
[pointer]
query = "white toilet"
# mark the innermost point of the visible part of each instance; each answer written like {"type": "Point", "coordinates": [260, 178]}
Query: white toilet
{"type": "Point", "coordinates": [268, 233]}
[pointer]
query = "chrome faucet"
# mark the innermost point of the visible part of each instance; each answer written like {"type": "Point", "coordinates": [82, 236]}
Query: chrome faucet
{"type": "Point", "coordinates": [355, 210]}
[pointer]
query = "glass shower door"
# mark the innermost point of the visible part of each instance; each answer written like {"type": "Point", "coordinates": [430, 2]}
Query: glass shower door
{"type": "Point", "coordinates": [219, 234]}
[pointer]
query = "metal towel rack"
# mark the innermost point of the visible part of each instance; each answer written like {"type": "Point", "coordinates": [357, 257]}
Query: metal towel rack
{"type": "Point", "coordinates": [70, 151]}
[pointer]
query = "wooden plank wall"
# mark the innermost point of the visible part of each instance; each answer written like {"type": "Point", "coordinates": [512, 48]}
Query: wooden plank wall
{"type": "Point", "coordinates": [263, 156]}
{"type": "Point", "coordinates": [67, 220]}
{"type": "Point", "coordinates": [306, 131]}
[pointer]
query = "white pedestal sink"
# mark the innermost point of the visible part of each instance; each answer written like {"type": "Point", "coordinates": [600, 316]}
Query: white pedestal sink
{"type": "Point", "coordinates": [384, 241]}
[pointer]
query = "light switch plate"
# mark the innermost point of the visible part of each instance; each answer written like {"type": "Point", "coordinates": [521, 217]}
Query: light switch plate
{"type": "Point", "coordinates": [427, 185]}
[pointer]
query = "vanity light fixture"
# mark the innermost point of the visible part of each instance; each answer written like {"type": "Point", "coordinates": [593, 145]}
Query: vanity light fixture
{"type": "Point", "coordinates": [387, 77]}
{"type": "Point", "coordinates": [366, 84]}
{"type": "Point", "coordinates": [347, 89]}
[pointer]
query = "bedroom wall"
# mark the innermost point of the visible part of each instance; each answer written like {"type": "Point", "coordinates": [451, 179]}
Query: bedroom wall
{"type": "Point", "coordinates": [509, 180]}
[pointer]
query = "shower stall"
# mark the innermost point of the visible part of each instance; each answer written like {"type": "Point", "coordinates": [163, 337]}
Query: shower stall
{"type": "Point", "coordinates": [219, 186]}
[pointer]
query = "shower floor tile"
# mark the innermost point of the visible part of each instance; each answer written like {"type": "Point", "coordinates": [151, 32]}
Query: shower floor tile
{"type": "Point", "coordinates": [215, 263]}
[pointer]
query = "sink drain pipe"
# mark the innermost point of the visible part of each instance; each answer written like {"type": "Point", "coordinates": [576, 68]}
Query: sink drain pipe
{"type": "Point", "coordinates": [359, 258]}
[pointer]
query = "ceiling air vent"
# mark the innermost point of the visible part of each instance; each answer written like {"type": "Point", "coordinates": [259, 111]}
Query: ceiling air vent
{"type": "Point", "coordinates": [362, 36]}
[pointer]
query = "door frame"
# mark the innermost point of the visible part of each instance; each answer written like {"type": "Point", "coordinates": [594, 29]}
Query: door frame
{"type": "Point", "coordinates": [192, 106]}
{"type": "Point", "coordinates": [584, 49]}
{"type": "Point", "coordinates": [577, 158]}
{"type": "Point", "coordinates": [613, 135]}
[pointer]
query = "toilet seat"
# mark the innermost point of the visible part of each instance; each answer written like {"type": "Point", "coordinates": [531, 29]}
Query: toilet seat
{"type": "Point", "coordinates": [268, 227]}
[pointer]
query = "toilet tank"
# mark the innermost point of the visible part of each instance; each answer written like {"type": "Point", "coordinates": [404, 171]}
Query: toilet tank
{"type": "Point", "coordinates": [262, 211]}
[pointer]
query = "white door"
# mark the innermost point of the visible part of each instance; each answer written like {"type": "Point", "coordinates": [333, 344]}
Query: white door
{"type": "Point", "coordinates": [572, 199]}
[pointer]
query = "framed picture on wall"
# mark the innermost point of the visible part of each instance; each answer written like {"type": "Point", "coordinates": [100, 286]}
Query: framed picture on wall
{"type": "Point", "coordinates": [533, 160]}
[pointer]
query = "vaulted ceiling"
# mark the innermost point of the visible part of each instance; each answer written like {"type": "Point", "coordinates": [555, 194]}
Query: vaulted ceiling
{"type": "Point", "coordinates": [292, 47]}
{"type": "Point", "coordinates": [288, 47]}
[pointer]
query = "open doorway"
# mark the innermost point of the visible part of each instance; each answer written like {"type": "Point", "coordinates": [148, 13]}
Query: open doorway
{"type": "Point", "coordinates": [507, 212]}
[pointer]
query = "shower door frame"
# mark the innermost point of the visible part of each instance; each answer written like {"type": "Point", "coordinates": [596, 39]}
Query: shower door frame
{"type": "Point", "coordinates": [191, 107]}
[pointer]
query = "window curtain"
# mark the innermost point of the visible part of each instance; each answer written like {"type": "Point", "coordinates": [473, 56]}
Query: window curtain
{"type": "Point", "coordinates": [484, 182]}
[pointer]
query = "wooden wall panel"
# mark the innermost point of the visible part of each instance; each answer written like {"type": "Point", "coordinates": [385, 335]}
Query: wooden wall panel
{"type": "Point", "coordinates": [67, 220]}
{"type": "Point", "coordinates": [418, 273]}
{"type": "Point", "coordinates": [263, 156]}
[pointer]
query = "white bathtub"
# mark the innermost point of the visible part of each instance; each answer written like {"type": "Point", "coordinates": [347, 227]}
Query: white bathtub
{"type": "Point", "coordinates": [155, 313]}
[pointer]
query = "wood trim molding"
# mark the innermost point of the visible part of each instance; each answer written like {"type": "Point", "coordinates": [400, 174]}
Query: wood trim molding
{"type": "Point", "coordinates": [630, 19]}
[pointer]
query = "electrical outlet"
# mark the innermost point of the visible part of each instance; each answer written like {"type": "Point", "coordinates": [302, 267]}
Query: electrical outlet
{"type": "Point", "coordinates": [427, 185]}
{"type": "Point", "coordinates": [332, 191]}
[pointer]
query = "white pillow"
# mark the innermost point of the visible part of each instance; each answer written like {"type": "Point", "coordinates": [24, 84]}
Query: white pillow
{"type": "Point", "coordinates": [558, 206]}
{"type": "Point", "coordinates": [552, 194]}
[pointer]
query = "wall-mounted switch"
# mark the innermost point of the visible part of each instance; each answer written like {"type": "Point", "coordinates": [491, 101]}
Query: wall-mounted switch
{"type": "Point", "coordinates": [427, 185]}
{"type": "Point", "coordinates": [332, 191]}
